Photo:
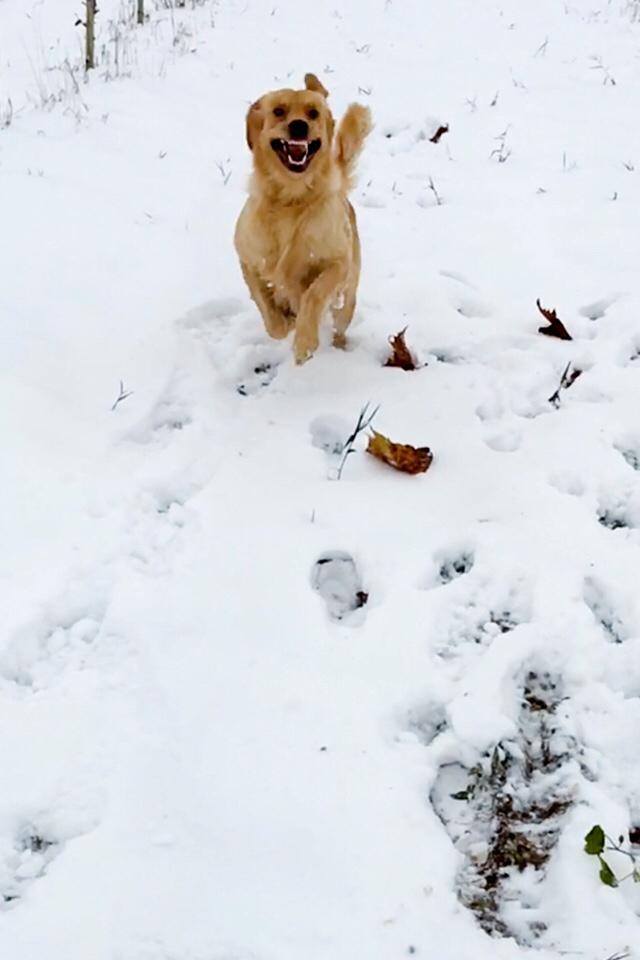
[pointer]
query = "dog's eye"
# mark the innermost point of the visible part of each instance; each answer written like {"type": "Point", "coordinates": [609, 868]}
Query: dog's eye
{"type": "Point", "coordinates": [313, 114]}
{"type": "Point", "coordinates": [278, 111]}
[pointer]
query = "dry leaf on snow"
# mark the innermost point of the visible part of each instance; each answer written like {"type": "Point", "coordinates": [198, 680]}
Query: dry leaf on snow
{"type": "Point", "coordinates": [556, 327]}
{"type": "Point", "coordinates": [401, 355]}
{"type": "Point", "coordinates": [401, 456]}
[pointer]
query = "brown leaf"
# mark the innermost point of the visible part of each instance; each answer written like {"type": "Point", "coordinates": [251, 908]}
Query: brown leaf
{"type": "Point", "coordinates": [440, 132]}
{"type": "Point", "coordinates": [401, 355]}
{"type": "Point", "coordinates": [401, 456]}
{"type": "Point", "coordinates": [556, 327]}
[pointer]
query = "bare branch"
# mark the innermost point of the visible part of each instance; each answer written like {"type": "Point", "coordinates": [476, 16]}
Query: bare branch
{"type": "Point", "coordinates": [363, 423]}
{"type": "Point", "coordinates": [569, 377]}
{"type": "Point", "coordinates": [123, 394]}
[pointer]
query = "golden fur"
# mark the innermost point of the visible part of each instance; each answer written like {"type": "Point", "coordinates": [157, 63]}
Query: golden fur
{"type": "Point", "coordinates": [297, 237]}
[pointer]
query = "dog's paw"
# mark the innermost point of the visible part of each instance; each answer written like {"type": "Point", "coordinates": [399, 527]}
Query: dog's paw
{"type": "Point", "coordinates": [304, 347]}
{"type": "Point", "coordinates": [278, 325]}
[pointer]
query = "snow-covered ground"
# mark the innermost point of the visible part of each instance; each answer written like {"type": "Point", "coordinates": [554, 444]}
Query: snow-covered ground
{"type": "Point", "coordinates": [197, 760]}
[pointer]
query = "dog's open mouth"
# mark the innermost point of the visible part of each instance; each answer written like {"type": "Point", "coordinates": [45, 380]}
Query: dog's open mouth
{"type": "Point", "coordinates": [296, 155]}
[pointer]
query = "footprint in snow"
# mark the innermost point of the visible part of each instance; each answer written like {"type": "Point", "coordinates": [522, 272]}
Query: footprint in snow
{"type": "Point", "coordinates": [373, 200]}
{"type": "Point", "coordinates": [62, 636]}
{"type": "Point", "coordinates": [596, 596]}
{"type": "Point", "coordinates": [504, 441]}
{"type": "Point", "coordinates": [336, 578]}
{"type": "Point", "coordinates": [619, 512]}
{"type": "Point", "coordinates": [329, 434]}
{"type": "Point", "coordinates": [629, 448]}
{"type": "Point", "coordinates": [453, 354]}
{"type": "Point", "coordinates": [256, 366]}
{"type": "Point", "coordinates": [566, 481]}
{"type": "Point", "coordinates": [463, 297]}
{"type": "Point", "coordinates": [458, 277]}
{"type": "Point", "coordinates": [258, 378]}
{"type": "Point", "coordinates": [455, 565]}
{"type": "Point", "coordinates": [472, 308]}
{"type": "Point", "coordinates": [597, 309]}
{"type": "Point", "coordinates": [170, 413]}
{"type": "Point", "coordinates": [218, 312]}
{"type": "Point", "coordinates": [24, 858]}
{"type": "Point", "coordinates": [477, 619]}
{"type": "Point", "coordinates": [449, 565]}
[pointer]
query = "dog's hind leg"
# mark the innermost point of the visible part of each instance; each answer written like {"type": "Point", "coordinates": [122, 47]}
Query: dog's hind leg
{"type": "Point", "coordinates": [277, 322]}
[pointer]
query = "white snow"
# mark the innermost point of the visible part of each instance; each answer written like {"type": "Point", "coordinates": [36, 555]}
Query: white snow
{"type": "Point", "coordinates": [207, 750]}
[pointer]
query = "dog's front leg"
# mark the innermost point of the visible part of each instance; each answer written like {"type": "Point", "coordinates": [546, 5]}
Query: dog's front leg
{"type": "Point", "coordinates": [278, 323]}
{"type": "Point", "coordinates": [314, 302]}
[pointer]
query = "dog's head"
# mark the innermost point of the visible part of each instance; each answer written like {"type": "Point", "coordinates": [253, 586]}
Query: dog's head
{"type": "Point", "coordinates": [290, 132]}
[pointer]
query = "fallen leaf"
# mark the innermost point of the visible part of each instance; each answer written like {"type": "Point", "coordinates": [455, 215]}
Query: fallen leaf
{"type": "Point", "coordinates": [440, 132]}
{"type": "Point", "coordinates": [594, 841]}
{"type": "Point", "coordinates": [401, 456]}
{"type": "Point", "coordinates": [401, 355]}
{"type": "Point", "coordinates": [556, 327]}
{"type": "Point", "coordinates": [607, 875]}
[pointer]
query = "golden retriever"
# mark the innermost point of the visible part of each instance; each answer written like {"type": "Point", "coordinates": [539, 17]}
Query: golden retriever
{"type": "Point", "coordinates": [297, 237]}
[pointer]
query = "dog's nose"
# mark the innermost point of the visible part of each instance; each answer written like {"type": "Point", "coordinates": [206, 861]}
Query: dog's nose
{"type": "Point", "coordinates": [298, 129]}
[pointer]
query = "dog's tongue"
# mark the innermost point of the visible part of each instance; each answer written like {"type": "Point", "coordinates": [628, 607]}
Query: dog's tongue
{"type": "Point", "coordinates": [297, 150]}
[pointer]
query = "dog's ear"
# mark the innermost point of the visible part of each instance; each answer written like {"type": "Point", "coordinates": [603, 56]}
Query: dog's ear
{"type": "Point", "coordinates": [255, 119]}
{"type": "Point", "coordinates": [311, 82]}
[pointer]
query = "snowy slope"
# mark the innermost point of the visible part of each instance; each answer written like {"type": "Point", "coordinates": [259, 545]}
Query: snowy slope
{"type": "Point", "coordinates": [197, 761]}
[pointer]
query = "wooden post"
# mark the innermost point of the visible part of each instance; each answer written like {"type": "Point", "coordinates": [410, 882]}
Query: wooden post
{"type": "Point", "coordinates": [91, 35]}
{"type": "Point", "coordinates": [140, 11]}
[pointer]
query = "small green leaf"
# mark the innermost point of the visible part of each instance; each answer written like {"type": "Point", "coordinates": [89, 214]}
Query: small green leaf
{"type": "Point", "coordinates": [636, 876]}
{"type": "Point", "coordinates": [607, 875]}
{"type": "Point", "coordinates": [594, 841]}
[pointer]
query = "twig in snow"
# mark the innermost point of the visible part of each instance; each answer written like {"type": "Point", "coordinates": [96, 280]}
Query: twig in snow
{"type": "Point", "coordinates": [6, 114]}
{"type": "Point", "coordinates": [495, 98]}
{"type": "Point", "coordinates": [440, 132]}
{"type": "Point", "coordinates": [224, 173]}
{"type": "Point", "coordinates": [90, 34]}
{"type": "Point", "coordinates": [121, 396]}
{"type": "Point", "coordinates": [607, 78]}
{"type": "Point", "coordinates": [542, 49]}
{"type": "Point", "coordinates": [569, 377]}
{"type": "Point", "coordinates": [363, 423]}
{"type": "Point", "coordinates": [502, 152]}
{"type": "Point", "coordinates": [434, 191]}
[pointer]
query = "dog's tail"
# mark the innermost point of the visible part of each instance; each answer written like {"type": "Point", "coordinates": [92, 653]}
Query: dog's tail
{"type": "Point", "coordinates": [352, 132]}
